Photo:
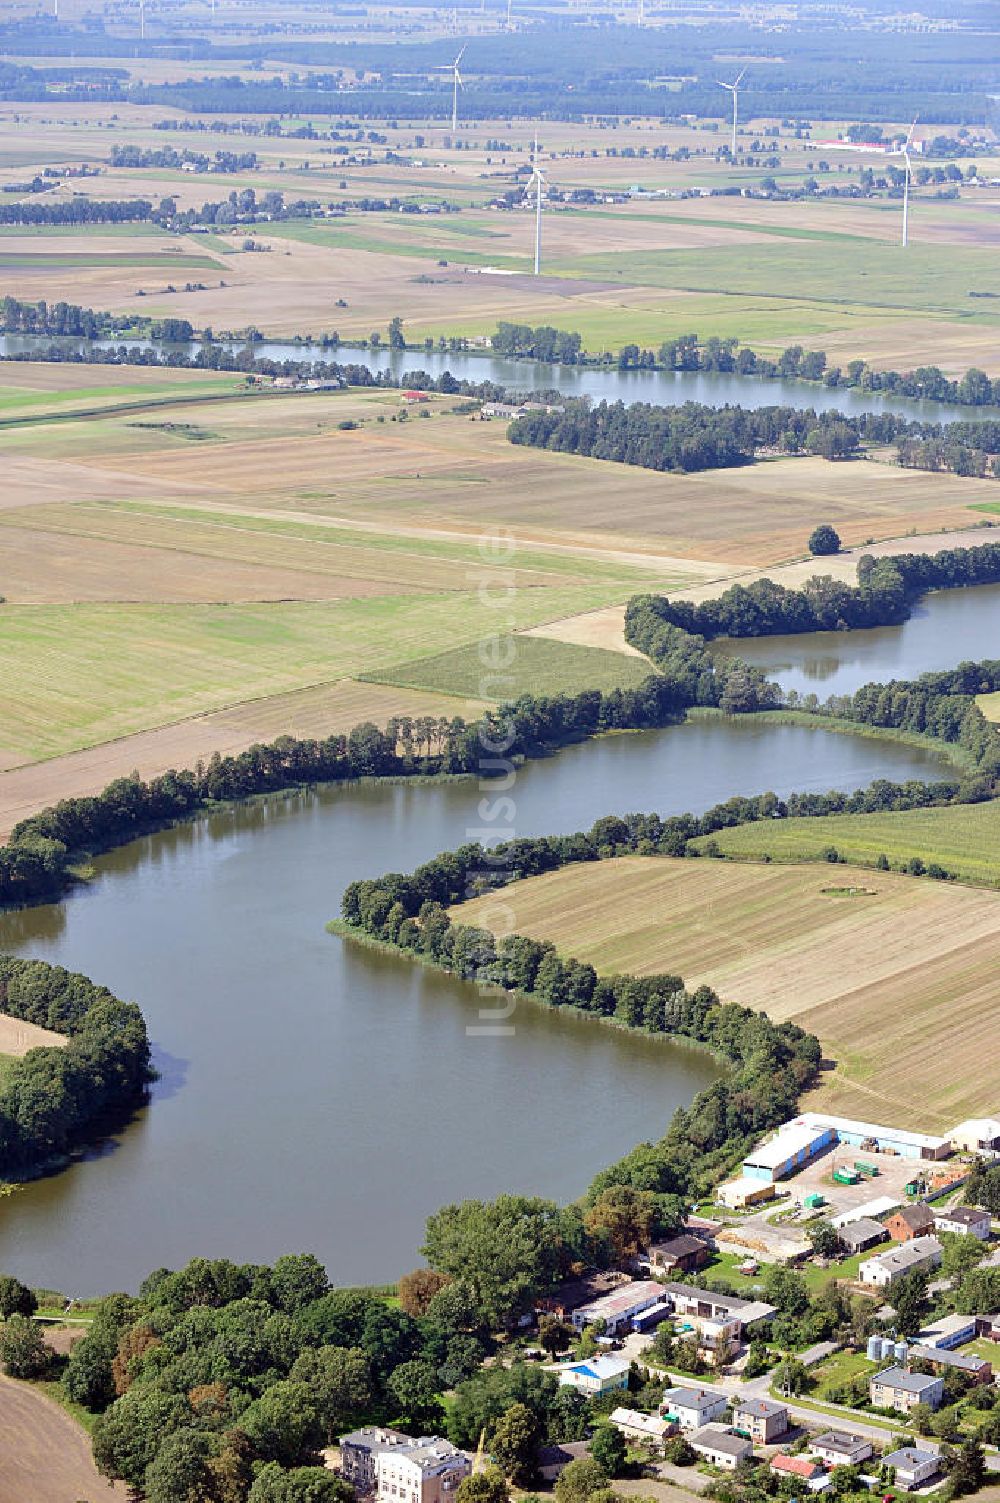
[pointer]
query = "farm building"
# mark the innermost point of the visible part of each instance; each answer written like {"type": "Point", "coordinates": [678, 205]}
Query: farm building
{"type": "Point", "coordinates": [679, 1255]}
{"type": "Point", "coordinates": [720, 1447]}
{"type": "Point", "coordinates": [912, 1466]}
{"type": "Point", "coordinates": [620, 1306]}
{"type": "Point", "coordinates": [942, 1359]}
{"type": "Point", "coordinates": [840, 1448]}
{"type": "Point", "coordinates": [572, 1293]}
{"type": "Point", "coordinates": [948, 1332]}
{"type": "Point", "coordinates": [877, 1139]}
{"type": "Point", "coordinates": [979, 1135]}
{"type": "Point", "coordinates": [966, 1221]}
{"type": "Point", "coordinates": [652, 1429]}
{"type": "Point", "coordinates": [691, 1408]}
{"type": "Point", "coordinates": [596, 1375]}
{"type": "Point", "coordinates": [740, 1193]}
{"type": "Point", "coordinates": [883, 1269]}
{"type": "Point", "coordinates": [691, 1303]}
{"type": "Point", "coordinates": [910, 1222]}
{"type": "Point", "coordinates": [795, 1145]}
{"type": "Point", "coordinates": [870, 1210]}
{"type": "Point", "coordinates": [858, 1235]}
{"type": "Point", "coordinates": [895, 1388]}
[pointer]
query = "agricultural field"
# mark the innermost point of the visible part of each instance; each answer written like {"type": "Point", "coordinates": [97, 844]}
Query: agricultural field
{"type": "Point", "coordinates": [17, 1037]}
{"type": "Point", "coordinates": [523, 664]}
{"type": "Point", "coordinates": [990, 705]}
{"type": "Point", "coordinates": [640, 270]}
{"type": "Point", "coordinates": [963, 838]}
{"type": "Point", "coordinates": [923, 954]}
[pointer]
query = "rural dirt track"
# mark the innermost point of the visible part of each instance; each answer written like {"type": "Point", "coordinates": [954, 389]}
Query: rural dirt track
{"type": "Point", "coordinates": [44, 1456]}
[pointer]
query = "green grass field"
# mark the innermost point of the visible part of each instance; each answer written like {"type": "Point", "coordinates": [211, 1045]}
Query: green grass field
{"type": "Point", "coordinates": [79, 674]}
{"type": "Point", "coordinates": [522, 665]}
{"type": "Point", "coordinates": [930, 279]}
{"type": "Point", "coordinates": [77, 260]}
{"type": "Point", "coordinates": [964, 839]}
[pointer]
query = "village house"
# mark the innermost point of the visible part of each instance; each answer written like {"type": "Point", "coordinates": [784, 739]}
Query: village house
{"type": "Point", "coordinates": [965, 1221]}
{"type": "Point", "coordinates": [910, 1222]}
{"type": "Point", "coordinates": [596, 1375]}
{"type": "Point", "coordinates": [760, 1420]}
{"type": "Point", "coordinates": [895, 1388]}
{"type": "Point", "coordinates": [802, 1469]}
{"type": "Point", "coordinates": [912, 1466]}
{"type": "Point", "coordinates": [943, 1359]}
{"type": "Point", "coordinates": [692, 1408]}
{"type": "Point", "coordinates": [885, 1268]}
{"type": "Point", "coordinates": [649, 1429]}
{"type": "Point", "coordinates": [551, 1461]}
{"type": "Point", "coordinates": [720, 1447]}
{"type": "Point", "coordinates": [841, 1448]}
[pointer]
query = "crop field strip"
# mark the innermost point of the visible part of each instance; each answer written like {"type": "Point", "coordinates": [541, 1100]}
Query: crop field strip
{"type": "Point", "coordinates": [923, 954]}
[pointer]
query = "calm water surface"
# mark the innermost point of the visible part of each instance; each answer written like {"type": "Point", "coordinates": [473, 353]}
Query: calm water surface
{"type": "Point", "coordinates": [665, 388]}
{"type": "Point", "coordinates": [317, 1096]}
{"type": "Point", "coordinates": [946, 628]}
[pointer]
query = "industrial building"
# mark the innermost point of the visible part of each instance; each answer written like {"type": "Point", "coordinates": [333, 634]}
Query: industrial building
{"type": "Point", "coordinates": [795, 1145]}
{"type": "Point", "coordinates": [737, 1194]}
{"type": "Point", "coordinates": [979, 1135]}
{"type": "Point", "coordinates": [949, 1332]}
{"type": "Point", "coordinates": [620, 1306]}
{"type": "Point", "coordinates": [878, 1139]}
{"type": "Point", "coordinates": [858, 1235]}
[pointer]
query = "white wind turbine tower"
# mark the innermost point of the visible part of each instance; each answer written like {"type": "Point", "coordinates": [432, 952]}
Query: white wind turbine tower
{"type": "Point", "coordinates": [734, 89]}
{"type": "Point", "coordinates": [880, 149]}
{"type": "Point", "coordinates": [906, 183]}
{"type": "Point", "coordinates": [539, 180]}
{"type": "Point", "coordinates": [456, 84]}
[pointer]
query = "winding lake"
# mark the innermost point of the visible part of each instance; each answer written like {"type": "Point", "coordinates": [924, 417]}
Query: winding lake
{"type": "Point", "coordinates": [665, 388]}
{"type": "Point", "coordinates": [317, 1096]}
{"type": "Point", "coordinates": [946, 628]}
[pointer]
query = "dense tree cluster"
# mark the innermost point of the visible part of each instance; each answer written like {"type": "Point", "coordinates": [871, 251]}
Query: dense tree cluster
{"type": "Point", "coordinates": [555, 346]}
{"type": "Point", "coordinates": [73, 320]}
{"type": "Point", "coordinates": [130, 155]}
{"type": "Point", "coordinates": [885, 591]}
{"type": "Point", "coordinates": [694, 437]}
{"type": "Point", "coordinates": [77, 211]}
{"type": "Point", "coordinates": [55, 1098]}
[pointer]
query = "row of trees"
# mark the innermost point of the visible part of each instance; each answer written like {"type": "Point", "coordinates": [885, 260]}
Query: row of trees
{"type": "Point", "coordinates": [71, 319]}
{"type": "Point", "coordinates": [130, 155]}
{"type": "Point", "coordinates": [883, 596]}
{"type": "Point", "coordinates": [77, 211]}
{"type": "Point", "coordinates": [726, 355]}
{"type": "Point", "coordinates": [55, 1098]}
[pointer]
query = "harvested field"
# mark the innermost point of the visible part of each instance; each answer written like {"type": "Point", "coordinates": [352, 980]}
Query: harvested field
{"type": "Point", "coordinates": [920, 955]}
{"type": "Point", "coordinates": [990, 706]}
{"type": "Point", "coordinates": [320, 711]}
{"type": "Point", "coordinates": [510, 666]}
{"type": "Point", "coordinates": [46, 1457]}
{"type": "Point", "coordinates": [963, 838]}
{"type": "Point", "coordinates": [79, 675]}
{"type": "Point", "coordinates": [17, 1037]}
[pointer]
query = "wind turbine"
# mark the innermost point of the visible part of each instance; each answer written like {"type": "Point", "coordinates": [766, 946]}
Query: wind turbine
{"type": "Point", "coordinates": [906, 182]}
{"type": "Point", "coordinates": [880, 149]}
{"type": "Point", "coordinates": [508, 14]}
{"type": "Point", "coordinates": [456, 84]}
{"type": "Point", "coordinates": [734, 89]}
{"type": "Point", "coordinates": [539, 180]}
{"type": "Point", "coordinates": [142, 18]}
{"type": "Point", "coordinates": [642, 12]}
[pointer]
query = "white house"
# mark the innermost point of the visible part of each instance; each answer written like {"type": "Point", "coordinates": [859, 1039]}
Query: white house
{"type": "Point", "coordinates": [912, 1465]}
{"type": "Point", "coordinates": [885, 1268]}
{"type": "Point", "coordinates": [841, 1448]}
{"type": "Point", "coordinates": [596, 1375]}
{"type": "Point", "coordinates": [691, 1408]}
{"type": "Point", "coordinates": [895, 1388]}
{"type": "Point", "coordinates": [720, 1447]}
{"type": "Point", "coordinates": [965, 1221]}
{"type": "Point", "coordinates": [428, 1470]}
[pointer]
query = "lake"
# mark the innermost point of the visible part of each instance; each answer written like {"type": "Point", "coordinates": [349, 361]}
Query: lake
{"type": "Point", "coordinates": [665, 388]}
{"type": "Point", "coordinates": [318, 1096]}
{"type": "Point", "coordinates": [946, 628]}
